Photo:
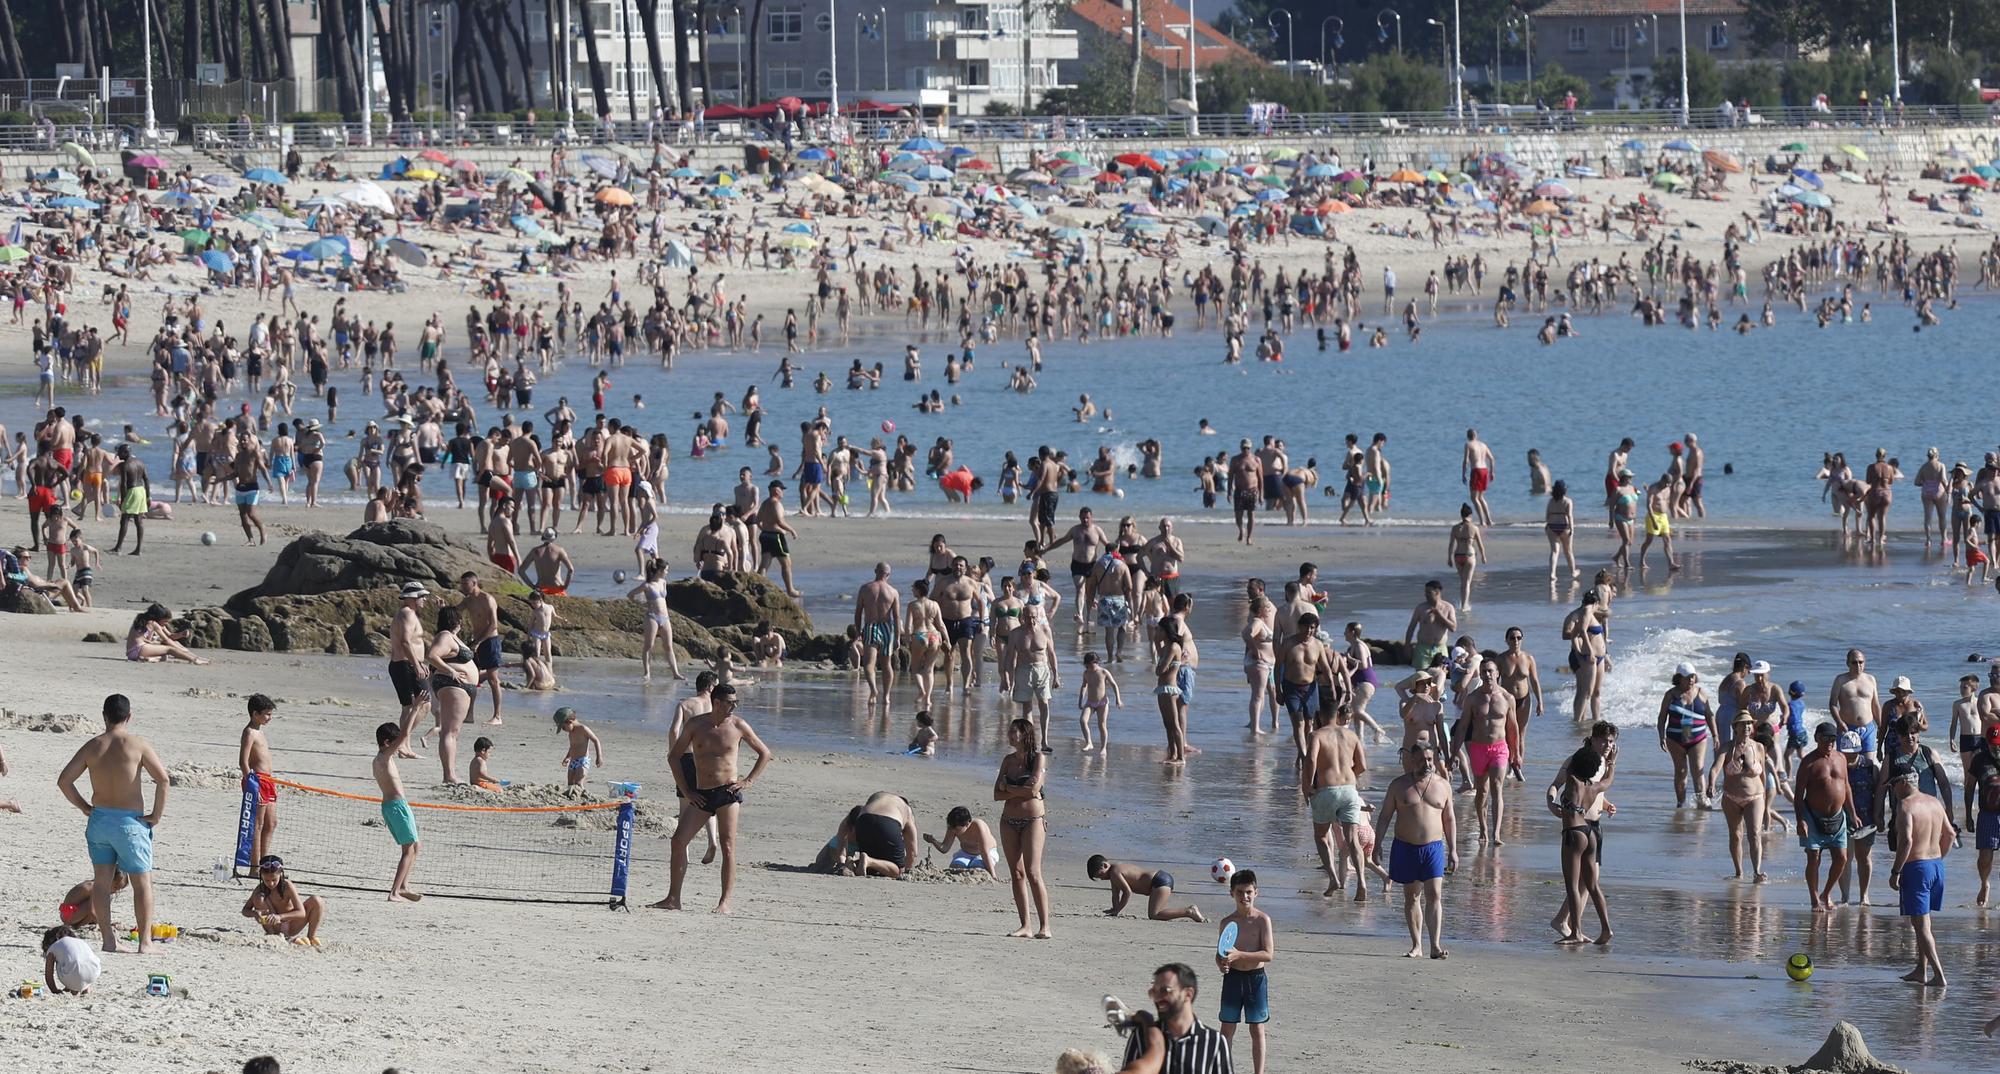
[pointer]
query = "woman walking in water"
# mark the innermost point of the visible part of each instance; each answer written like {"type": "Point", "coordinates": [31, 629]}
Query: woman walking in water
{"type": "Point", "coordinates": [1577, 798]}
{"type": "Point", "coordinates": [1023, 824]}
{"type": "Point", "coordinates": [1559, 522]}
{"type": "Point", "coordinates": [1683, 727]}
{"type": "Point", "coordinates": [659, 625]}
{"type": "Point", "coordinates": [1588, 661]}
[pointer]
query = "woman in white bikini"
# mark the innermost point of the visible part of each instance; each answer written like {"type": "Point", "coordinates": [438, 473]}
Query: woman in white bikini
{"type": "Point", "coordinates": [1259, 657]}
{"type": "Point", "coordinates": [659, 626]}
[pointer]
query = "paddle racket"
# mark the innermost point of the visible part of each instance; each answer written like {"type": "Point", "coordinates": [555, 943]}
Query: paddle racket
{"type": "Point", "coordinates": [1225, 942]}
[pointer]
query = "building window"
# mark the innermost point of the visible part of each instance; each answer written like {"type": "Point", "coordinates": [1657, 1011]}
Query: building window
{"type": "Point", "coordinates": [784, 25]}
{"type": "Point", "coordinates": [1718, 37]}
{"type": "Point", "coordinates": [782, 78]}
{"type": "Point", "coordinates": [1620, 40]}
{"type": "Point", "coordinates": [1576, 39]}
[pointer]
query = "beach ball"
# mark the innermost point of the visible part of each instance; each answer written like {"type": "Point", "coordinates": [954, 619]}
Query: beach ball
{"type": "Point", "coordinates": [1222, 870]}
{"type": "Point", "coordinates": [208, 537]}
{"type": "Point", "coordinates": [888, 426]}
{"type": "Point", "coordinates": [618, 576]}
{"type": "Point", "coordinates": [1799, 967]}
{"type": "Point", "coordinates": [76, 495]}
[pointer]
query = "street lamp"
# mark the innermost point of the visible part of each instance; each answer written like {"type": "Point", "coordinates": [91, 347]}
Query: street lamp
{"type": "Point", "coordinates": [1338, 26]}
{"type": "Point", "coordinates": [1895, 56]}
{"type": "Point", "coordinates": [1457, 63]}
{"type": "Point", "coordinates": [1383, 30]}
{"type": "Point", "coordinates": [1444, 43]}
{"type": "Point", "coordinates": [1684, 62]}
{"type": "Point", "coordinates": [1517, 17]}
{"type": "Point", "coordinates": [1290, 69]}
{"type": "Point", "coordinates": [863, 23]}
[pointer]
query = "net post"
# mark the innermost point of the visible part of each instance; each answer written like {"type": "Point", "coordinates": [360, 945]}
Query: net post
{"type": "Point", "coordinates": [246, 825]}
{"type": "Point", "coordinates": [621, 858]}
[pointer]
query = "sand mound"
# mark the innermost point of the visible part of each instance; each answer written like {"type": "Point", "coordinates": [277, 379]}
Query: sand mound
{"type": "Point", "coordinates": [648, 818]}
{"type": "Point", "coordinates": [56, 723]}
{"type": "Point", "coordinates": [928, 871]}
{"type": "Point", "coordinates": [202, 776]}
{"type": "Point", "coordinates": [1843, 1053]}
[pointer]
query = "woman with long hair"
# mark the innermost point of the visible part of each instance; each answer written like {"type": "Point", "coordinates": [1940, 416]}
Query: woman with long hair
{"type": "Point", "coordinates": [152, 639]}
{"type": "Point", "coordinates": [1024, 828]}
{"type": "Point", "coordinates": [1166, 671]}
{"type": "Point", "coordinates": [1559, 523]}
{"type": "Point", "coordinates": [923, 632]}
{"type": "Point", "coordinates": [454, 685]}
{"type": "Point", "coordinates": [1259, 660]}
{"type": "Point", "coordinates": [659, 625]}
{"type": "Point", "coordinates": [1577, 798]}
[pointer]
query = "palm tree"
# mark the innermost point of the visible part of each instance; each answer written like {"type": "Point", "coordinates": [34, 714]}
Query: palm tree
{"type": "Point", "coordinates": [1138, 55]}
{"type": "Point", "coordinates": [649, 19]}
{"type": "Point", "coordinates": [600, 96]}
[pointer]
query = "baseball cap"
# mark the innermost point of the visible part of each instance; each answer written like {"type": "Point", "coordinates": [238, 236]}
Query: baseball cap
{"type": "Point", "coordinates": [1901, 685]}
{"type": "Point", "coordinates": [563, 715]}
{"type": "Point", "coordinates": [1850, 742]}
{"type": "Point", "coordinates": [1826, 730]}
{"type": "Point", "coordinates": [1993, 734]}
{"type": "Point", "coordinates": [1797, 688]}
{"type": "Point", "coordinates": [1685, 670]}
{"type": "Point", "coordinates": [1761, 667]}
{"type": "Point", "coordinates": [414, 591]}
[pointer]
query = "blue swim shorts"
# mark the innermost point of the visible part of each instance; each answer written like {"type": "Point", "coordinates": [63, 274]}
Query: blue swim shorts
{"type": "Point", "coordinates": [1410, 863]}
{"type": "Point", "coordinates": [119, 837]}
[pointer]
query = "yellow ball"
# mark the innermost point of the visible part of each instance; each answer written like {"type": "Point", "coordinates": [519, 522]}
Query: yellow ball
{"type": "Point", "coordinates": [1799, 967]}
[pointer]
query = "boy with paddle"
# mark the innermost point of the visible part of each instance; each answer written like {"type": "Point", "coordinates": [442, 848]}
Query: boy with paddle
{"type": "Point", "coordinates": [1246, 945]}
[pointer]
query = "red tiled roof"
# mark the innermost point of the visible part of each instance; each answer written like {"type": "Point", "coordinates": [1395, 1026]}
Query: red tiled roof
{"type": "Point", "coordinates": [1627, 8]}
{"type": "Point", "coordinates": [1165, 42]}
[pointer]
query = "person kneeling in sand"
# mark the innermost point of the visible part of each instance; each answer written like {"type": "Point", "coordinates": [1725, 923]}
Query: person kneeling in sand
{"type": "Point", "coordinates": [68, 964]}
{"type": "Point", "coordinates": [278, 907]}
{"type": "Point", "coordinates": [977, 849]}
{"type": "Point", "coordinates": [883, 833]}
{"type": "Point", "coordinates": [1128, 880]}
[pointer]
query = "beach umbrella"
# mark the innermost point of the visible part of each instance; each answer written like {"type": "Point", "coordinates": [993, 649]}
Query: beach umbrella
{"type": "Point", "coordinates": [719, 192]}
{"type": "Point", "coordinates": [800, 228]}
{"type": "Point", "coordinates": [1679, 145]}
{"type": "Point", "coordinates": [1986, 171]}
{"type": "Point", "coordinates": [11, 254]}
{"type": "Point", "coordinates": [612, 195]}
{"type": "Point", "coordinates": [678, 255]}
{"type": "Point", "coordinates": [1969, 180]}
{"type": "Point", "coordinates": [409, 252]}
{"type": "Point", "coordinates": [369, 196]}
{"type": "Point", "coordinates": [1203, 166]}
{"type": "Point", "coordinates": [322, 249]}
{"type": "Point", "coordinates": [930, 173]}
{"type": "Point", "coordinates": [974, 164]}
{"type": "Point", "coordinates": [1721, 161]}
{"type": "Point", "coordinates": [1542, 207]}
{"type": "Point", "coordinates": [1141, 223]}
{"type": "Point", "coordinates": [1437, 177]}
{"type": "Point", "coordinates": [79, 154]}
{"type": "Point", "coordinates": [601, 164]}
{"type": "Point", "coordinates": [1813, 198]}
{"type": "Point", "coordinates": [1334, 207]}
{"type": "Point", "coordinates": [322, 201]}
{"type": "Point", "coordinates": [1071, 155]}
{"type": "Point", "coordinates": [1809, 177]}
{"type": "Point", "coordinates": [175, 199]}
{"type": "Point", "coordinates": [1211, 224]}
{"type": "Point", "coordinates": [71, 201]}
{"type": "Point", "coordinates": [1270, 195]}
{"type": "Point", "coordinates": [959, 151]}
{"type": "Point", "coordinates": [815, 153]}
{"type": "Point", "coordinates": [1553, 189]}
{"type": "Point", "coordinates": [1283, 152]}
{"type": "Point", "coordinates": [1067, 234]}
{"type": "Point", "coordinates": [1346, 176]}
{"type": "Point", "coordinates": [922, 145]}
{"type": "Point", "coordinates": [194, 236]}
{"type": "Point", "coordinates": [259, 221]}
{"type": "Point", "coordinates": [517, 175]}
{"type": "Point", "coordinates": [218, 180]}
{"type": "Point", "coordinates": [145, 160]}
{"type": "Point", "coordinates": [1854, 151]}
{"type": "Point", "coordinates": [265, 175]}
{"type": "Point", "coordinates": [69, 189]}
{"type": "Point", "coordinates": [1634, 146]}
{"type": "Point", "coordinates": [422, 175]}
{"type": "Point", "coordinates": [1321, 171]}
{"type": "Point", "coordinates": [218, 261]}
{"type": "Point", "coordinates": [525, 224]}
{"type": "Point", "coordinates": [683, 172]}
{"type": "Point", "coordinates": [1790, 190]}
{"type": "Point", "coordinates": [1794, 147]}
{"type": "Point", "coordinates": [1405, 175]}
{"type": "Point", "coordinates": [438, 156]}
{"type": "Point", "coordinates": [1136, 160]}
{"type": "Point", "coordinates": [797, 242]}
{"type": "Point", "coordinates": [1583, 171]}
{"type": "Point", "coordinates": [1669, 181]}
{"type": "Point", "coordinates": [898, 179]}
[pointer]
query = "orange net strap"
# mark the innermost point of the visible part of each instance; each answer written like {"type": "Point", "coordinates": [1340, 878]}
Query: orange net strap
{"type": "Point", "coordinates": [449, 806]}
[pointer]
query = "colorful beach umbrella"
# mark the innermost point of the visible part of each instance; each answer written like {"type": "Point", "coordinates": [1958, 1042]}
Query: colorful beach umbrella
{"type": "Point", "coordinates": [11, 254]}
{"type": "Point", "coordinates": [612, 195]}
{"type": "Point", "coordinates": [1854, 151]}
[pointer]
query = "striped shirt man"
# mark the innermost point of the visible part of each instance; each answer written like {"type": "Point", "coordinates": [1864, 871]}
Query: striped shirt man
{"type": "Point", "coordinates": [1201, 1051]}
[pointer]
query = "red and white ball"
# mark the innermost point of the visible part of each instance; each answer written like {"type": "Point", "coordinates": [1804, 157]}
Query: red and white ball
{"type": "Point", "coordinates": [1222, 870]}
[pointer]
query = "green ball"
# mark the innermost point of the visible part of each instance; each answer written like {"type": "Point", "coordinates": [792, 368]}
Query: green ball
{"type": "Point", "coordinates": [1799, 967]}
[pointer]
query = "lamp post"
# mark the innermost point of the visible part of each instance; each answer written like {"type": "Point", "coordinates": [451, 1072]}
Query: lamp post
{"type": "Point", "coordinates": [1444, 44]}
{"type": "Point", "coordinates": [1457, 63]}
{"type": "Point", "coordinates": [882, 32]}
{"type": "Point", "coordinates": [1517, 17]}
{"type": "Point", "coordinates": [1895, 57]}
{"type": "Point", "coordinates": [1390, 13]}
{"type": "Point", "coordinates": [1194, 75]}
{"type": "Point", "coordinates": [1684, 62]}
{"type": "Point", "coordinates": [832, 66]}
{"type": "Point", "coordinates": [860, 28]}
{"type": "Point", "coordinates": [147, 18]}
{"type": "Point", "coordinates": [1290, 68]}
{"type": "Point", "coordinates": [1338, 26]}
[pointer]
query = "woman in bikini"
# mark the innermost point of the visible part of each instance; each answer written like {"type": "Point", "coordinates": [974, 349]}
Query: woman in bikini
{"type": "Point", "coordinates": [941, 558]}
{"type": "Point", "coordinates": [1624, 516]}
{"type": "Point", "coordinates": [1559, 522]}
{"type": "Point", "coordinates": [923, 627]}
{"type": "Point", "coordinates": [1023, 824]}
{"type": "Point", "coordinates": [454, 684]}
{"type": "Point", "coordinates": [151, 640]}
{"type": "Point", "coordinates": [1259, 658]}
{"type": "Point", "coordinates": [1746, 771]}
{"type": "Point", "coordinates": [1577, 798]}
{"type": "Point", "coordinates": [1683, 728]}
{"type": "Point", "coordinates": [1167, 691]}
{"type": "Point", "coordinates": [1588, 659]}
{"type": "Point", "coordinates": [659, 626]}
{"type": "Point", "coordinates": [1006, 609]}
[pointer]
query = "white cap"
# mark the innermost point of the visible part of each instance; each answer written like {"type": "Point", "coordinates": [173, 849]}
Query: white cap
{"type": "Point", "coordinates": [1684, 669]}
{"type": "Point", "coordinates": [1761, 667]}
{"type": "Point", "coordinates": [1902, 684]}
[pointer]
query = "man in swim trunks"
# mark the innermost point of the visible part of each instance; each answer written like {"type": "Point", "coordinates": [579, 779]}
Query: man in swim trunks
{"type": "Point", "coordinates": [1111, 581]}
{"type": "Point", "coordinates": [1087, 545]}
{"type": "Point", "coordinates": [774, 536]}
{"type": "Point", "coordinates": [48, 483]}
{"type": "Point", "coordinates": [550, 566]}
{"type": "Point", "coordinates": [407, 670]}
{"type": "Point", "coordinates": [884, 835]}
{"type": "Point", "coordinates": [1304, 662]}
{"type": "Point", "coordinates": [1431, 625]}
{"type": "Point", "coordinates": [1855, 703]}
{"type": "Point", "coordinates": [1924, 835]}
{"type": "Point", "coordinates": [1047, 471]}
{"type": "Point", "coordinates": [1488, 733]}
{"type": "Point", "coordinates": [1334, 765]}
{"type": "Point", "coordinates": [958, 595]}
{"type": "Point", "coordinates": [134, 500]}
{"type": "Point", "coordinates": [877, 610]}
{"type": "Point", "coordinates": [479, 619]}
{"type": "Point", "coordinates": [1246, 477]}
{"type": "Point", "coordinates": [1476, 471]}
{"type": "Point", "coordinates": [248, 467]}
{"type": "Point", "coordinates": [119, 834]}
{"type": "Point", "coordinates": [1659, 521]}
{"type": "Point", "coordinates": [1165, 553]}
{"type": "Point", "coordinates": [1418, 808]}
{"type": "Point", "coordinates": [1129, 880]}
{"type": "Point", "coordinates": [706, 779]}
{"type": "Point", "coordinates": [1824, 809]}
{"type": "Point", "coordinates": [501, 549]}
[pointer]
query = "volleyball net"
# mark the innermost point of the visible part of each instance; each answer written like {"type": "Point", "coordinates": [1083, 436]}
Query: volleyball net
{"type": "Point", "coordinates": [578, 853]}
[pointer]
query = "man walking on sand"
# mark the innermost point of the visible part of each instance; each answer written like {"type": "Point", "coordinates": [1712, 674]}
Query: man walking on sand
{"type": "Point", "coordinates": [479, 617]}
{"type": "Point", "coordinates": [119, 836]}
{"type": "Point", "coordinates": [1925, 837]}
{"type": "Point", "coordinates": [1476, 470]}
{"type": "Point", "coordinates": [706, 779]}
{"type": "Point", "coordinates": [1418, 809]}
{"type": "Point", "coordinates": [877, 610]}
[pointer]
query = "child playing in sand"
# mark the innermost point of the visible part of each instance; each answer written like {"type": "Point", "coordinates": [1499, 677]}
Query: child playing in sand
{"type": "Point", "coordinates": [538, 658]}
{"type": "Point", "coordinates": [75, 909]}
{"type": "Point", "coordinates": [481, 776]}
{"type": "Point", "coordinates": [576, 759]}
{"type": "Point", "coordinates": [1129, 880]}
{"type": "Point", "coordinates": [977, 849]}
{"type": "Point", "coordinates": [68, 964]}
{"type": "Point", "coordinates": [84, 559]}
{"type": "Point", "coordinates": [768, 646]}
{"type": "Point", "coordinates": [1245, 989]}
{"type": "Point", "coordinates": [923, 737]}
{"type": "Point", "coordinates": [1095, 695]}
{"type": "Point", "coordinates": [396, 815]}
{"type": "Point", "coordinates": [279, 909]}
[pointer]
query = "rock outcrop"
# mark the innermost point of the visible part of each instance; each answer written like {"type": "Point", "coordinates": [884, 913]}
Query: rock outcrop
{"type": "Point", "coordinates": [331, 594]}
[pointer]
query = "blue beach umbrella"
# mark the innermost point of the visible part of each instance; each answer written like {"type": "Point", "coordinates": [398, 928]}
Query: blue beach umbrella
{"type": "Point", "coordinates": [1680, 145]}
{"type": "Point", "coordinates": [1809, 178]}
{"type": "Point", "coordinates": [814, 153]}
{"type": "Point", "coordinates": [265, 175]}
{"type": "Point", "coordinates": [218, 261]}
{"type": "Point", "coordinates": [71, 202]}
{"type": "Point", "coordinates": [1813, 198]}
{"type": "Point", "coordinates": [1322, 171]}
{"type": "Point", "coordinates": [921, 145]}
{"type": "Point", "coordinates": [1634, 146]}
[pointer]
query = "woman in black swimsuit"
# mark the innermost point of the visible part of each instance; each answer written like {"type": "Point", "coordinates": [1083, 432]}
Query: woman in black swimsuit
{"type": "Point", "coordinates": [454, 684]}
{"type": "Point", "coordinates": [1577, 799]}
{"type": "Point", "coordinates": [1024, 828]}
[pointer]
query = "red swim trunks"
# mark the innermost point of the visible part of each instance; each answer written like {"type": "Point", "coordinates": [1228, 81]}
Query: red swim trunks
{"type": "Point", "coordinates": [504, 562]}
{"type": "Point", "coordinates": [40, 499]}
{"type": "Point", "coordinates": [63, 457]}
{"type": "Point", "coordinates": [1481, 477]}
{"type": "Point", "coordinates": [267, 791]}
